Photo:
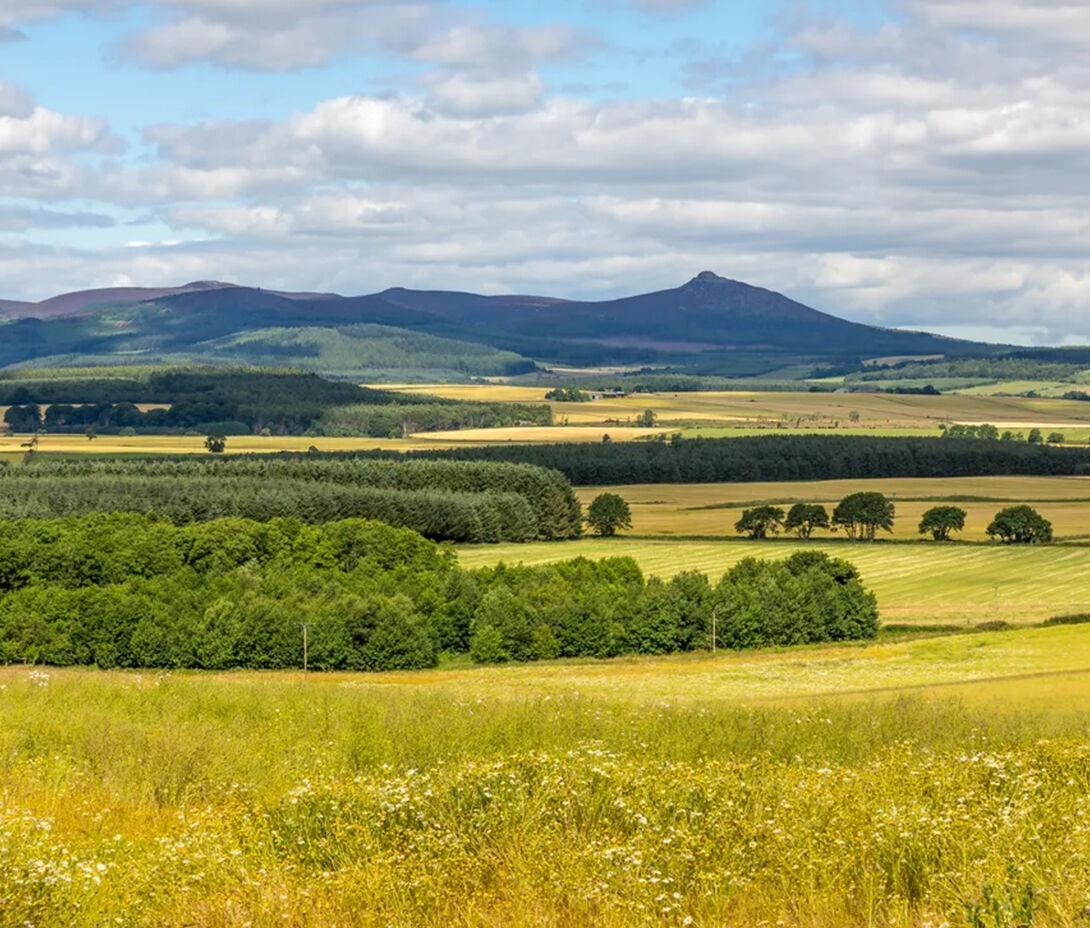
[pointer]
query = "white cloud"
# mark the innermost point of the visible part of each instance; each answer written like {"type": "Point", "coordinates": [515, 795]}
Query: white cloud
{"type": "Point", "coordinates": [928, 170]}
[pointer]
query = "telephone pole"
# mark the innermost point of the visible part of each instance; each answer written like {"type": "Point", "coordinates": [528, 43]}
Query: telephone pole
{"type": "Point", "coordinates": [306, 628]}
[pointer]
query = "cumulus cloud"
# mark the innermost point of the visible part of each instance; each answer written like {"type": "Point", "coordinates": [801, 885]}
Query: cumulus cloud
{"type": "Point", "coordinates": [927, 169]}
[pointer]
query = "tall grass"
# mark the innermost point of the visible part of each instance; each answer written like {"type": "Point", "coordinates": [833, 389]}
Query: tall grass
{"type": "Point", "coordinates": [262, 800]}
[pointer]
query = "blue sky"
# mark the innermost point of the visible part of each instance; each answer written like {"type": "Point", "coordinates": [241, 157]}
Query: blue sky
{"type": "Point", "coordinates": [906, 162]}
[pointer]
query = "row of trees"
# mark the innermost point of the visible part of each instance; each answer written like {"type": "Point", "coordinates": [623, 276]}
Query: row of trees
{"type": "Point", "coordinates": [323, 480]}
{"type": "Point", "coordinates": [130, 590]}
{"type": "Point", "coordinates": [862, 515]}
{"type": "Point", "coordinates": [779, 458]}
{"type": "Point", "coordinates": [991, 433]}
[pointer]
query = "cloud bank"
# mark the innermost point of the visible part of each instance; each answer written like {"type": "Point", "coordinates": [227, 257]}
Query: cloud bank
{"type": "Point", "coordinates": [928, 170]}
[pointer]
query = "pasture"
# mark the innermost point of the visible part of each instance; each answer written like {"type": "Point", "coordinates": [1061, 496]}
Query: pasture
{"type": "Point", "coordinates": [895, 784]}
{"type": "Point", "coordinates": [923, 583]}
{"type": "Point", "coordinates": [711, 509]}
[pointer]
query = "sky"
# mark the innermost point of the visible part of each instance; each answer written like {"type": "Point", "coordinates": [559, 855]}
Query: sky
{"type": "Point", "coordinates": [916, 163]}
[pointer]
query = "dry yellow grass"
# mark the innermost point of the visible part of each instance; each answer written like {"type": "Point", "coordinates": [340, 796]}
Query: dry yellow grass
{"type": "Point", "coordinates": [185, 444]}
{"type": "Point", "coordinates": [682, 509]}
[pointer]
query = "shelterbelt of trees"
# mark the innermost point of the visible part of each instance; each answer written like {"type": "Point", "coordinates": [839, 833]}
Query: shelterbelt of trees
{"type": "Point", "coordinates": [444, 500]}
{"type": "Point", "coordinates": [777, 457]}
{"type": "Point", "coordinates": [235, 402]}
{"type": "Point", "coordinates": [128, 590]}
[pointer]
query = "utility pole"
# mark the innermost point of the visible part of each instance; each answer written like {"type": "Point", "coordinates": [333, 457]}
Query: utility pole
{"type": "Point", "coordinates": [306, 628]}
{"type": "Point", "coordinates": [715, 612]}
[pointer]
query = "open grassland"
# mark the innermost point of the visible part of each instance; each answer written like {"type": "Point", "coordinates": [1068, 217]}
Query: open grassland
{"type": "Point", "coordinates": [806, 411]}
{"type": "Point", "coordinates": [893, 784]}
{"type": "Point", "coordinates": [922, 583]}
{"type": "Point", "coordinates": [711, 509]}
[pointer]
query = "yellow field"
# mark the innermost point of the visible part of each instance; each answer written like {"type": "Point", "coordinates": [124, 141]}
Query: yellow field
{"type": "Point", "coordinates": [713, 508]}
{"type": "Point", "coordinates": [829, 787]}
{"type": "Point", "coordinates": [184, 444]}
{"type": "Point", "coordinates": [923, 583]}
{"type": "Point", "coordinates": [802, 410]}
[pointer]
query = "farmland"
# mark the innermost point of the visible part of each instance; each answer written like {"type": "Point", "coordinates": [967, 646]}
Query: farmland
{"type": "Point", "coordinates": [892, 784]}
{"type": "Point", "coordinates": [804, 411]}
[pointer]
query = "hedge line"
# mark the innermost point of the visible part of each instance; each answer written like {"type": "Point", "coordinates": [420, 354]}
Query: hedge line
{"type": "Point", "coordinates": [777, 457]}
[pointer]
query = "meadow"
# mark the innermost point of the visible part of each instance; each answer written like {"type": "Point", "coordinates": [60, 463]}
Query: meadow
{"type": "Point", "coordinates": [711, 509]}
{"type": "Point", "coordinates": [921, 783]}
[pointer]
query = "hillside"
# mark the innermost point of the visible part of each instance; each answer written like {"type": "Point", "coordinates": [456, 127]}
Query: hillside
{"type": "Point", "coordinates": [708, 325]}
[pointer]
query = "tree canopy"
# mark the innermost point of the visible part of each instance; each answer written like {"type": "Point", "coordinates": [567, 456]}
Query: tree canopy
{"type": "Point", "coordinates": [862, 514]}
{"type": "Point", "coordinates": [1020, 525]}
{"type": "Point", "coordinates": [607, 513]}
{"type": "Point", "coordinates": [940, 521]}
{"type": "Point", "coordinates": [760, 522]}
{"type": "Point", "coordinates": [803, 518]}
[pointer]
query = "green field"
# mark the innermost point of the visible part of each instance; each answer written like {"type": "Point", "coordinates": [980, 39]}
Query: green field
{"type": "Point", "coordinates": [917, 583]}
{"type": "Point", "coordinates": [890, 784]}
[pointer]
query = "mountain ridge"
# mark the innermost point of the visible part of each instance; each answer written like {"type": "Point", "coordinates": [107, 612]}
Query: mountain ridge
{"type": "Point", "coordinates": [709, 322]}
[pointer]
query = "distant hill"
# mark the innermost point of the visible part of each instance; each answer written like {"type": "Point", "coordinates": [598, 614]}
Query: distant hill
{"type": "Point", "coordinates": [708, 325]}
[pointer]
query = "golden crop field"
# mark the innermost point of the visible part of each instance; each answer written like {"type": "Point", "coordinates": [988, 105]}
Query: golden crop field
{"type": "Point", "coordinates": [901, 785]}
{"type": "Point", "coordinates": [923, 583]}
{"type": "Point", "coordinates": [712, 508]}
{"type": "Point", "coordinates": [11, 445]}
{"type": "Point", "coordinates": [801, 410]}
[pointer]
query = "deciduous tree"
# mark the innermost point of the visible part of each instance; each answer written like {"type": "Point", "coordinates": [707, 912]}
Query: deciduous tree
{"type": "Point", "coordinates": [608, 513]}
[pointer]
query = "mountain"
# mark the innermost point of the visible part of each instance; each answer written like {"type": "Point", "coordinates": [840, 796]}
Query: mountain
{"type": "Point", "coordinates": [68, 304]}
{"type": "Point", "coordinates": [709, 325]}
